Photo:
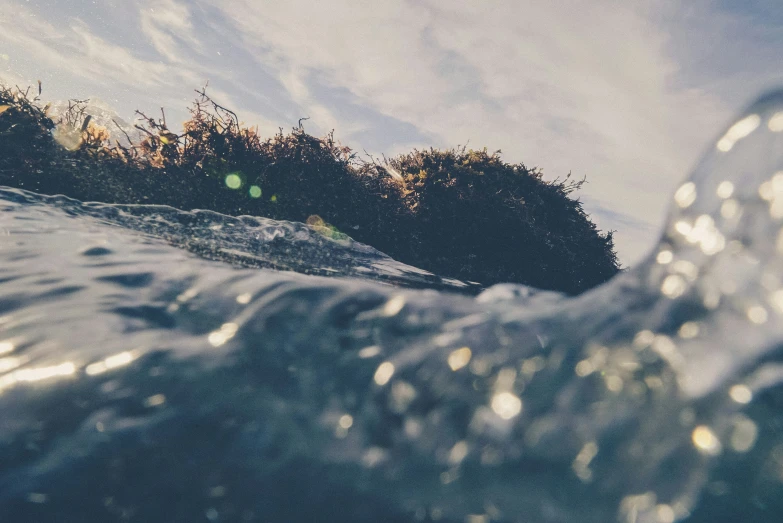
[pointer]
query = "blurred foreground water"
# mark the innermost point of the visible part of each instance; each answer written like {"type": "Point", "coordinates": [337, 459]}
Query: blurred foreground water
{"type": "Point", "coordinates": [167, 366]}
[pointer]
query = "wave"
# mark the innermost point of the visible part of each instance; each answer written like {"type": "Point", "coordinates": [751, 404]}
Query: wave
{"type": "Point", "coordinates": [160, 365]}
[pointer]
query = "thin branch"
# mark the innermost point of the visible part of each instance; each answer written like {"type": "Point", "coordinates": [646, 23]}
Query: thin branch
{"type": "Point", "coordinates": [142, 129]}
{"type": "Point", "coordinates": [123, 131]}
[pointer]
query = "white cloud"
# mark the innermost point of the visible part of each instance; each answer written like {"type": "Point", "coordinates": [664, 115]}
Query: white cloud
{"type": "Point", "coordinates": [627, 94]}
{"type": "Point", "coordinates": [167, 24]}
{"type": "Point", "coordinates": [7, 75]}
{"type": "Point", "coordinates": [74, 49]}
{"type": "Point", "coordinates": [74, 61]}
{"type": "Point", "coordinates": [570, 86]}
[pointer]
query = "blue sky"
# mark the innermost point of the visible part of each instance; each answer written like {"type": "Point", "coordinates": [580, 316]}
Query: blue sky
{"type": "Point", "coordinates": [627, 93]}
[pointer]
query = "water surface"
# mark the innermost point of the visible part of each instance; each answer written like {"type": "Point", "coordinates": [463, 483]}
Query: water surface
{"type": "Point", "coordinates": [159, 366]}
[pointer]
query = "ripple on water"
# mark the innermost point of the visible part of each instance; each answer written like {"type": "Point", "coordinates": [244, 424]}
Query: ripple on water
{"type": "Point", "coordinates": [187, 376]}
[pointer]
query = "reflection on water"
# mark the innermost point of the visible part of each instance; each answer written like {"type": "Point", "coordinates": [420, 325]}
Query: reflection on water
{"type": "Point", "coordinates": [144, 381]}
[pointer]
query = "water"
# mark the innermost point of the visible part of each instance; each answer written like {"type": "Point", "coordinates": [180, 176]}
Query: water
{"type": "Point", "coordinates": [163, 366]}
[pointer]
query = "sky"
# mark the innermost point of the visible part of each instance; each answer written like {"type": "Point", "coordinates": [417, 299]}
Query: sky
{"type": "Point", "coordinates": [628, 94]}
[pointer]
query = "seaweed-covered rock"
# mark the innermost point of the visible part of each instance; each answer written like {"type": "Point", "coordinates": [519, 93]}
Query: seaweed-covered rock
{"type": "Point", "coordinates": [459, 213]}
{"type": "Point", "coordinates": [492, 221]}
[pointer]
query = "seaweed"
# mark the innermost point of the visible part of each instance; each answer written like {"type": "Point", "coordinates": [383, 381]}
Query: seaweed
{"type": "Point", "coordinates": [462, 213]}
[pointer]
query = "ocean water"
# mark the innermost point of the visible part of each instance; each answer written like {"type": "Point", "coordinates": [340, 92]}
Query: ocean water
{"type": "Point", "coordinates": [168, 366]}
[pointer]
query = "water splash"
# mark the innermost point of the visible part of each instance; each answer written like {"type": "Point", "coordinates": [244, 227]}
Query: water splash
{"type": "Point", "coordinates": [138, 381]}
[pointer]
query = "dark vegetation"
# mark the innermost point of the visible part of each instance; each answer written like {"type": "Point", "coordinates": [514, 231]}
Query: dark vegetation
{"type": "Point", "coordinates": [460, 213]}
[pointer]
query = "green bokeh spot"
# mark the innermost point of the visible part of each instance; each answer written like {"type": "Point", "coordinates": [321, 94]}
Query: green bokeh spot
{"type": "Point", "coordinates": [255, 191]}
{"type": "Point", "coordinates": [233, 181]}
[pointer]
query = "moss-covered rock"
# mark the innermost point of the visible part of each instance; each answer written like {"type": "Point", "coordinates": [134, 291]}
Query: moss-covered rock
{"type": "Point", "coordinates": [460, 213]}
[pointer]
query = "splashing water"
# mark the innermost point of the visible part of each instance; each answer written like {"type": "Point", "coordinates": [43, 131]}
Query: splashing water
{"type": "Point", "coordinates": [141, 382]}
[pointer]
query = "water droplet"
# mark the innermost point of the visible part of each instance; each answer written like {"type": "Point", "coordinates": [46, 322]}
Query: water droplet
{"type": "Point", "coordinates": [729, 209]}
{"type": "Point", "coordinates": [664, 257]}
{"type": "Point", "coordinates": [673, 286]}
{"type": "Point", "coordinates": [757, 314]}
{"type": "Point", "coordinates": [744, 434]}
{"type": "Point", "coordinates": [738, 131]}
{"type": "Point", "coordinates": [685, 195]}
{"type": "Point", "coordinates": [688, 330]}
{"type": "Point", "coordinates": [459, 358]}
{"type": "Point", "coordinates": [394, 305]}
{"type": "Point", "coordinates": [506, 405]}
{"type": "Point", "coordinates": [725, 189]}
{"type": "Point", "coordinates": [384, 373]}
{"type": "Point", "coordinates": [458, 452]}
{"type": "Point", "coordinates": [345, 421]}
{"type": "Point", "coordinates": [706, 441]}
{"type": "Point", "coordinates": [776, 122]}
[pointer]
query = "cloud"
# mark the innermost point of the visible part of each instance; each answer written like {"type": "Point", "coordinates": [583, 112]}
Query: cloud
{"type": "Point", "coordinates": [627, 94]}
{"type": "Point", "coordinates": [7, 75]}
{"type": "Point", "coordinates": [167, 24]}
{"type": "Point", "coordinates": [611, 91]}
{"type": "Point", "coordinates": [633, 233]}
{"type": "Point", "coordinates": [572, 86]}
{"type": "Point", "coordinates": [71, 58]}
{"type": "Point", "coordinates": [75, 49]}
